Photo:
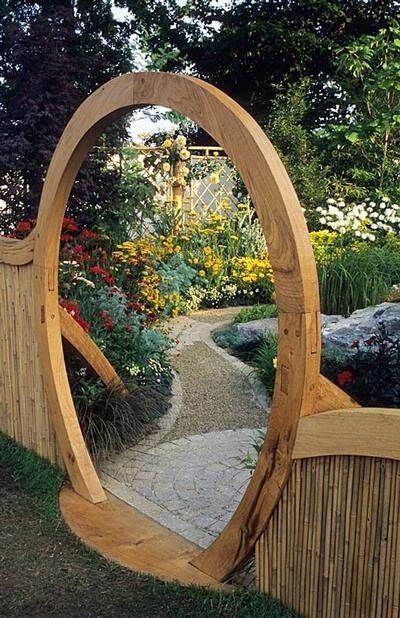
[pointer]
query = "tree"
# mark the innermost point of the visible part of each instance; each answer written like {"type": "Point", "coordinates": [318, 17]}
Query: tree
{"type": "Point", "coordinates": [251, 48]}
{"type": "Point", "coordinates": [52, 55]}
{"type": "Point", "coordinates": [364, 149]}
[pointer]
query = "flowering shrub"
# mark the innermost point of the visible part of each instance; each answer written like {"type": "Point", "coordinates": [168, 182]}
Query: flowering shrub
{"type": "Point", "coordinates": [370, 372]}
{"type": "Point", "coordinates": [365, 221]}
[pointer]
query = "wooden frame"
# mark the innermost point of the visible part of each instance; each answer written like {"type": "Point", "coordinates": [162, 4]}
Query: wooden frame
{"type": "Point", "coordinates": [300, 391]}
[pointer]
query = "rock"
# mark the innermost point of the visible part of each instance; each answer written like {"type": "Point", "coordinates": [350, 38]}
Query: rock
{"type": "Point", "coordinates": [337, 332]}
{"type": "Point", "coordinates": [256, 329]}
{"type": "Point", "coordinates": [361, 325]}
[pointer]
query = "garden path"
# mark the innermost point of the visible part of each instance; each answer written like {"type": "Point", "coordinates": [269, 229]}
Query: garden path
{"type": "Point", "coordinates": [188, 474]}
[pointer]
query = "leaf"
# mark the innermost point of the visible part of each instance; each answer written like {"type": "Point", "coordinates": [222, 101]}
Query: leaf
{"type": "Point", "coordinates": [352, 137]}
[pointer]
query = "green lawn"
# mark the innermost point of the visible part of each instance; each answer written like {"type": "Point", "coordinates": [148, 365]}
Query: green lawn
{"type": "Point", "coordinates": [46, 571]}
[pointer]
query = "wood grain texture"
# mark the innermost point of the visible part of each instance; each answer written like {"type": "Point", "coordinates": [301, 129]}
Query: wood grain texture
{"type": "Point", "coordinates": [338, 555]}
{"type": "Point", "coordinates": [371, 432]}
{"type": "Point", "coordinates": [24, 414]}
{"type": "Point", "coordinates": [17, 252]}
{"type": "Point", "coordinates": [89, 351]}
{"type": "Point", "coordinates": [291, 257]}
{"type": "Point", "coordinates": [331, 397]}
{"type": "Point", "coordinates": [122, 534]}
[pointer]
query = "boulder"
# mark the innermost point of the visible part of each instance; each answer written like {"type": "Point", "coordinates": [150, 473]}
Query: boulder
{"type": "Point", "coordinates": [361, 325]}
{"type": "Point", "coordinates": [337, 332]}
{"type": "Point", "coordinates": [256, 329]}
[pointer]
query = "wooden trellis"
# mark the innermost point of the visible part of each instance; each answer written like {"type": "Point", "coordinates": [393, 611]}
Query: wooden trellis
{"type": "Point", "coordinates": [323, 504]}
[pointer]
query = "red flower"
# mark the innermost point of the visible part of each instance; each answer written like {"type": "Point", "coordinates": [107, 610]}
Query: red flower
{"type": "Point", "coordinates": [98, 270]}
{"type": "Point", "coordinates": [73, 310]}
{"type": "Point", "coordinates": [89, 234]}
{"type": "Point", "coordinates": [82, 323]}
{"type": "Point", "coordinates": [66, 238]}
{"type": "Point", "coordinates": [355, 343]}
{"type": "Point", "coordinates": [107, 321]}
{"type": "Point", "coordinates": [370, 341]}
{"type": "Point", "coordinates": [109, 280]}
{"type": "Point", "coordinates": [24, 226]}
{"type": "Point", "coordinates": [70, 307]}
{"type": "Point", "coordinates": [69, 225]}
{"type": "Point", "coordinates": [344, 377]}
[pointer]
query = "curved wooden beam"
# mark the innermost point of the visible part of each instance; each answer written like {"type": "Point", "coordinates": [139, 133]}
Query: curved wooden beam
{"type": "Point", "coordinates": [89, 351]}
{"type": "Point", "coordinates": [331, 397]}
{"type": "Point", "coordinates": [17, 252]}
{"type": "Point", "coordinates": [292, 261]}
{"type": "Point", "coordinates": [368, 432]}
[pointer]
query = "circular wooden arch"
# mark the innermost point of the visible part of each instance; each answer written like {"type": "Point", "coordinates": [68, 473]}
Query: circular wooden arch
{"type": "Point", "coordinates": [292, 261]}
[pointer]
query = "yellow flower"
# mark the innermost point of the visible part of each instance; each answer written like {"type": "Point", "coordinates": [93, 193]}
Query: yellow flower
{"type": "Point", "coordinates": [216, 153]}
{"type": "Point", "coordinates": [180, 141]}
{"type": "Point", "coordinates": [214, 178]}
{"type": "Point", "coordinates": [184, 154]}
{"type": "Point", "coordinates": [207, 250]}
{"type": "Point", "coordinates": [275, 362]}
{"type": "Point", "coordinates": [242, 206]}
{"type": "Point", "coordinates": [166, 167]}
{"type": "Point", "coordinates": [196, 261]}
{"type": "Point", "coordinates": [178, 249]}
{"type": "Point", "coordinates": [167, 143]}
{"type": "Point", "coordinates": [202, 273]}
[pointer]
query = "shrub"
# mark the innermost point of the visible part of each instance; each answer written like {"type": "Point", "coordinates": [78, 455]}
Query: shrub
{"type": "Point", "coordinates": [370, 372]}
{"type": "Point", "coordinates": [256, 312]}
{"type": "Point", "coordinates": [111, 419]}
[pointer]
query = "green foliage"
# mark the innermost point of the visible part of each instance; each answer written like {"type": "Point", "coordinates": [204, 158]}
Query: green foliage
{"type": "Point", "coordinates": [134, 204]}
{"type": "Point", "coordinates": [230, 339]}
{"type": "Point", "coordinates": [363, 149]}
{"type": "Point", "coordinates": [249, 462]}
{"type": "Point", "coordinates": [288, 131]}
{"type": "Point", "coordinates": [249, 48]}
{"type": "Point", "coordinates": [357, 277]}
{"type": "Point", "coordinates": [264, 360]}
{"type": "Point", "coordinates": [256, 312]}
{"type": "Point", "coordinates": [112, 420]}
{"type": "Point", "coordinates": [40, 480]}
{"type": "Point", "coordinates": [356, 370]}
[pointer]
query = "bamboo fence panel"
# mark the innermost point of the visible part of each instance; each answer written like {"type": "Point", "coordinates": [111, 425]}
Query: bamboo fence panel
{"type": "Point", "coordinates": [24, 414]}
{"type": "Point", "coordinates": [339, 517]}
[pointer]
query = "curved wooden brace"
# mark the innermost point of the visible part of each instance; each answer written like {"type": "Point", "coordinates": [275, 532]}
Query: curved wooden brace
{"type": "Point", "coordinates": [17, 252]}
{"type": "Point", "coordinates": [89, 351]}
{"type": "Point", "coordinates": [292, 261]}
{"type": "Point", "coordinates": [368, 432]}
{"type": "Point", "coordinates": [331, 397]}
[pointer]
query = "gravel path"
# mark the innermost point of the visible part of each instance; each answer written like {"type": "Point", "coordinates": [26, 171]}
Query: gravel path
{"type": "Point", "coordinates": [188, 475]}
{"type": "Point", "coordinates": [216, 395]}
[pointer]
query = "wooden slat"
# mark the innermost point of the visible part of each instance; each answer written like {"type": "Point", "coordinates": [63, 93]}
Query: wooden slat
{"type": "Point", "coordinates": [371, 432]}
{"type": "Point", "coordinates": [123, 535]}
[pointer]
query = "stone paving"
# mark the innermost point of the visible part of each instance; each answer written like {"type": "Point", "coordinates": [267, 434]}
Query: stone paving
{"type": "Point", "coordinates": [191, 484]}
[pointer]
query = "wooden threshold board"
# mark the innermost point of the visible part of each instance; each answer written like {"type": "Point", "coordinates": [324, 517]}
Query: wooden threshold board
{"type": "Point", "coordinates": [124, 535]}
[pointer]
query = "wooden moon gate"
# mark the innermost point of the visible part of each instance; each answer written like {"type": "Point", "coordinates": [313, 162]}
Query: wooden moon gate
{"type": "Point", "coordinates": [299, 390]}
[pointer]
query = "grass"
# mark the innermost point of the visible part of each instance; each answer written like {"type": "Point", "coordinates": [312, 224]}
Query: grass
{"type": "Point", "coordinates": [356, 279]}
{"type": "Point", "coordinates": [46, 572]}
{"type": "Point", "coordinates": [111, 420]}
{"type": "Point", "coordinates": [256, 312]}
